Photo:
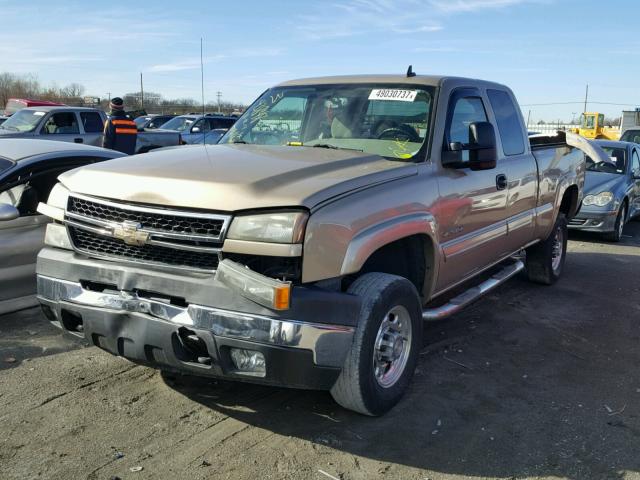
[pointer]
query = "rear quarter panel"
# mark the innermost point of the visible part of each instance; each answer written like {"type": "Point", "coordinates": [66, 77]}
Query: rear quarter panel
{"type": "Point", "coordinates": [558, 169]}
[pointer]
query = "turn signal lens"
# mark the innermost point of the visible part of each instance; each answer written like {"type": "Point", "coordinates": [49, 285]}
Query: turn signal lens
{"type": "Point", "coordinates": [263, 290]}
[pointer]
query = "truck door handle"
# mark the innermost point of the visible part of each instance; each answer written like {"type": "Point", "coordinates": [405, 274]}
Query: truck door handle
{"type": "Point", "coordinates": [77, 140]}
{"type": "Point", "coordinates": [501, 181]}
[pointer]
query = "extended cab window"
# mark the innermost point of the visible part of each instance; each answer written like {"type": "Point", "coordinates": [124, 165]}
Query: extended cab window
{"type": "Point", "coordinates": [467, 110]}
{"type": "Point", "coordinates": [92, 122]}
{"type": "Point", "coordinates": [508, 121]}
{"type": "Point", "coordinates": [635, 163]}
{"type": "Point", "coordinates": [61, 123]}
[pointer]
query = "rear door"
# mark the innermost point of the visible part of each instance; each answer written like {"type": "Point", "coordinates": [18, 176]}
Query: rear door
{"type": "Point", "coordinates": [471, 209]}
{"type": "Point", "coordinates": [518, 166]}
{"type": "Point", "coordinates": [93, 126]}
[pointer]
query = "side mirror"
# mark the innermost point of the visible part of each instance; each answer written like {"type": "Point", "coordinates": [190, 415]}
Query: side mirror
{"type": "Point", "coordinates": [480, 152]}
{"type": "Point", "coordinates": [195, 130]}
{"type": "Point", "coordinates": [8, 212]}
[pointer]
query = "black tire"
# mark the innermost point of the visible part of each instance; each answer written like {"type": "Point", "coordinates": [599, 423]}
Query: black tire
{"type": "Point", "coordinates": [621, 219]}
{"type": "Point", "coordinates": [358, 387]}
{"type": "Point", "coordinates": [542, 266]}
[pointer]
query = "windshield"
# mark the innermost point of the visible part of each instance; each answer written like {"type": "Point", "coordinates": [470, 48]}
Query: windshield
{"type": "Point", "coordinates": [391, 121]}
{"type": "Point", "coordinates": [178, 123]}
{"type": "Point", "coordinates": [141, 121]}
{"type": "Point", "coordinates": [588, 121]}
{"type": "Point", "coordinates": [23, 121]}
{"type": "Point", "coordinates": [617, 165]}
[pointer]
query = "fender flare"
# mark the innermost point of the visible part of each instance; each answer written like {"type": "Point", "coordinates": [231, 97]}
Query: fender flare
{"type": "Point", "coordinates": [367, 241]}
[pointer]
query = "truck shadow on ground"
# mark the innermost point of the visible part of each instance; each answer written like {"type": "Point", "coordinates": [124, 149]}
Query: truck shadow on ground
{"type": "Point", "coordinates": [529, 381]}
{"type": "Point", "coordinates": [27, 334]}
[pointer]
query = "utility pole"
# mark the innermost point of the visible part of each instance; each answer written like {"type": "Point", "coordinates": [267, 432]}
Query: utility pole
{"type": "Point", "coordinates": [219, 94]}
{"type": "Point", "coordinates": [141, 93]}
{"type": "Point", "coordinates": [202, 79]}
{"type": "Point", "coordinates": [586, 97]}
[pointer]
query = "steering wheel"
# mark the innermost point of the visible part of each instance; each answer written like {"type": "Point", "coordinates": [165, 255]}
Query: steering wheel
{"type": "Point", "coordinates": [402, 132]}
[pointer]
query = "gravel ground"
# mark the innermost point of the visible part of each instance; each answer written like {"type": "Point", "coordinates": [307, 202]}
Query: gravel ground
{"type": "Point", "coordinates": [529, 382]}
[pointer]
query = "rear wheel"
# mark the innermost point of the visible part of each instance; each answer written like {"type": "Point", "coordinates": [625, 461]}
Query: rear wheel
{"type": "Point", "coordinates": [616, 235]}
{"type": "Point", "coordinates": [545, 260]}
{"type": "Point", "coordinates": [383, 355]}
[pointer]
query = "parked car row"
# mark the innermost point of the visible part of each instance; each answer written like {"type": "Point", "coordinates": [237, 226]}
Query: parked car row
{"type": "Point", "coordinates": [75, 125]}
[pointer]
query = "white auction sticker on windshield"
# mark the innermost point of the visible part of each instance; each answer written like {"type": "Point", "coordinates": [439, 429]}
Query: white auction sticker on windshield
{"type": "Point", "coordinates": [38, 114]}
{"type": "Point", "coordinates": [393, 94]}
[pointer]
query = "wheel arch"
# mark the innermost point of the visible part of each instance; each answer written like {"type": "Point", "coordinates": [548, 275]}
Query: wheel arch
{"type": "Point", "coordinates": [569, 205]}
{"type": "Point", "coordinates": [412, 237]}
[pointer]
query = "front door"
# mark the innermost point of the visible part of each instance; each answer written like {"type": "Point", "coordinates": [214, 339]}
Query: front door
{"type": "Point", "coordinates": [20, 241]}
{"type": "Point", "coordinates": [471, 209]}
{"type": "Point", "coordinates": [62, 126]}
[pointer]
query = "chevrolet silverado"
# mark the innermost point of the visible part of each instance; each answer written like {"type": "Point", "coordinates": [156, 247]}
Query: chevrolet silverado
{"type": "Point", "coordinates": [308, 247]}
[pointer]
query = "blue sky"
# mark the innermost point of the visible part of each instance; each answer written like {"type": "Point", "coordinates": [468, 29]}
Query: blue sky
{"type": "Point", "coordinates": [546, 50]}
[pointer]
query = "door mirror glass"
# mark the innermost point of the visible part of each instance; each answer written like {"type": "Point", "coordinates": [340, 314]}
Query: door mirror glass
{"type": "Point", "coordinates": [8, 212]}
{"type": "Point", "coordinates": [195, 130]}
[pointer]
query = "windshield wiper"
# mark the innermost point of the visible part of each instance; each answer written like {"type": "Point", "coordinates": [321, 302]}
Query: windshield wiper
{"type": "Point", "coordinates": [238, 141]}
{"type": "Point", "coordinates": [9, 128]}
{"type": "Point", "coordinates": [334, 147]}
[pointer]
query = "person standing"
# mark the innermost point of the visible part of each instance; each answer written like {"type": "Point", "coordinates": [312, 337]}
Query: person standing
{"type": "Point", "coordinates": [120, 132]}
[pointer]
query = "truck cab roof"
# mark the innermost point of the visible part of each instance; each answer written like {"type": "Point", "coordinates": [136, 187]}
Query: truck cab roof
{"type": "Point", "coordinates": [428, 80]}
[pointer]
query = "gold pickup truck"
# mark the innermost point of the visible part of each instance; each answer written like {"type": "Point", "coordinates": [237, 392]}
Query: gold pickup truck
{"type": "Point", "coordinates": [308, 247]}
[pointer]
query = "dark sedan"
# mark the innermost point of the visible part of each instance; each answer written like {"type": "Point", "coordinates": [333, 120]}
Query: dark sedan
{"type": "Point", "coordinates": [611, 190]}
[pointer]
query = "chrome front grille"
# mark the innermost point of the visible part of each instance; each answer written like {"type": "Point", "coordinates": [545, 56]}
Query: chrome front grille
{"type": "Point", "coordinates": [141, 234]}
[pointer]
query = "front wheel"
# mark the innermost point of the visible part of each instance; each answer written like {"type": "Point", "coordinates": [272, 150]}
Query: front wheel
{"type": "Point", "coordinates": [616, 235]}
{"type": "Point", "coordinates": [545, 260]}
{"type": "Point", "coordinates": [384, 352]}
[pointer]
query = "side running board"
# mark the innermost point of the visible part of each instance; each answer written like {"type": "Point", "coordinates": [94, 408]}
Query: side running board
{"type": "Point", "coordinates": [465, 298]}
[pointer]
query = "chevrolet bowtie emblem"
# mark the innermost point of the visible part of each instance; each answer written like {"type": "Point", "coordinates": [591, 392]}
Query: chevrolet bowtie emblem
{"type": "Point", "coordinates": [129, 232]}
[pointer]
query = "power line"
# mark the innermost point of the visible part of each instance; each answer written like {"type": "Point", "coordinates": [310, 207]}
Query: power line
{"type": "Point", "coordinates": [580, 102]}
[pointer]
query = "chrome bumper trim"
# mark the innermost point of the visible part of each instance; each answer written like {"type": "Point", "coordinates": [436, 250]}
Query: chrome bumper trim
{"type": "Point", "coordinates": [329, 343]}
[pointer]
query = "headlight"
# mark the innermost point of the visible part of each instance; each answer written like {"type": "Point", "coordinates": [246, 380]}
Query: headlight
{"type": "Point", "coordinates": [59, 196]}
{"type": "Point", "coordinates": [599, 200]}
{"type": "Point", "coordinates": [276, 227]}
{"type": "Point", "coordinates": [56, 203]}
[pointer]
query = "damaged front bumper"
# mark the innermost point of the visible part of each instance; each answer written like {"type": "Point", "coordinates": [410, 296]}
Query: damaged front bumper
{"type": "Point", "coordinates": [195, 324]}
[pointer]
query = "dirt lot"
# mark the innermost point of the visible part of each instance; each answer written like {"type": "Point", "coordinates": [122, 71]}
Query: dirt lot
{"type": "Point", "coordinates": [530, 382]}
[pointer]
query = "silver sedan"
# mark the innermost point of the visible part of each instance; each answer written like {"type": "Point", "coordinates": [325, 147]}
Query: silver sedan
{"type": "Point", "coordinates": [28, 171]}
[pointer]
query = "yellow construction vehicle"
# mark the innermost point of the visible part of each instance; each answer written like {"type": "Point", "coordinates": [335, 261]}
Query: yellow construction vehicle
{"type": "Point", "coordinates": [592, 126]}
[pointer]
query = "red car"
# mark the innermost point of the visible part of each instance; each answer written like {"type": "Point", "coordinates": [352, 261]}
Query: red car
{"type": "Point", "coordinates": [15, 104]}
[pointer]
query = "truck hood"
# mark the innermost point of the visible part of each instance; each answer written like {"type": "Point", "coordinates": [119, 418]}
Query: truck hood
{"type": "Point", "coordinates": [235, 177]}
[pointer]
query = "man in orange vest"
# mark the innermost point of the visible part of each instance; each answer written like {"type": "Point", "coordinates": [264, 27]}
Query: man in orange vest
{"type": "Point", "coordinates": [120, 132]}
